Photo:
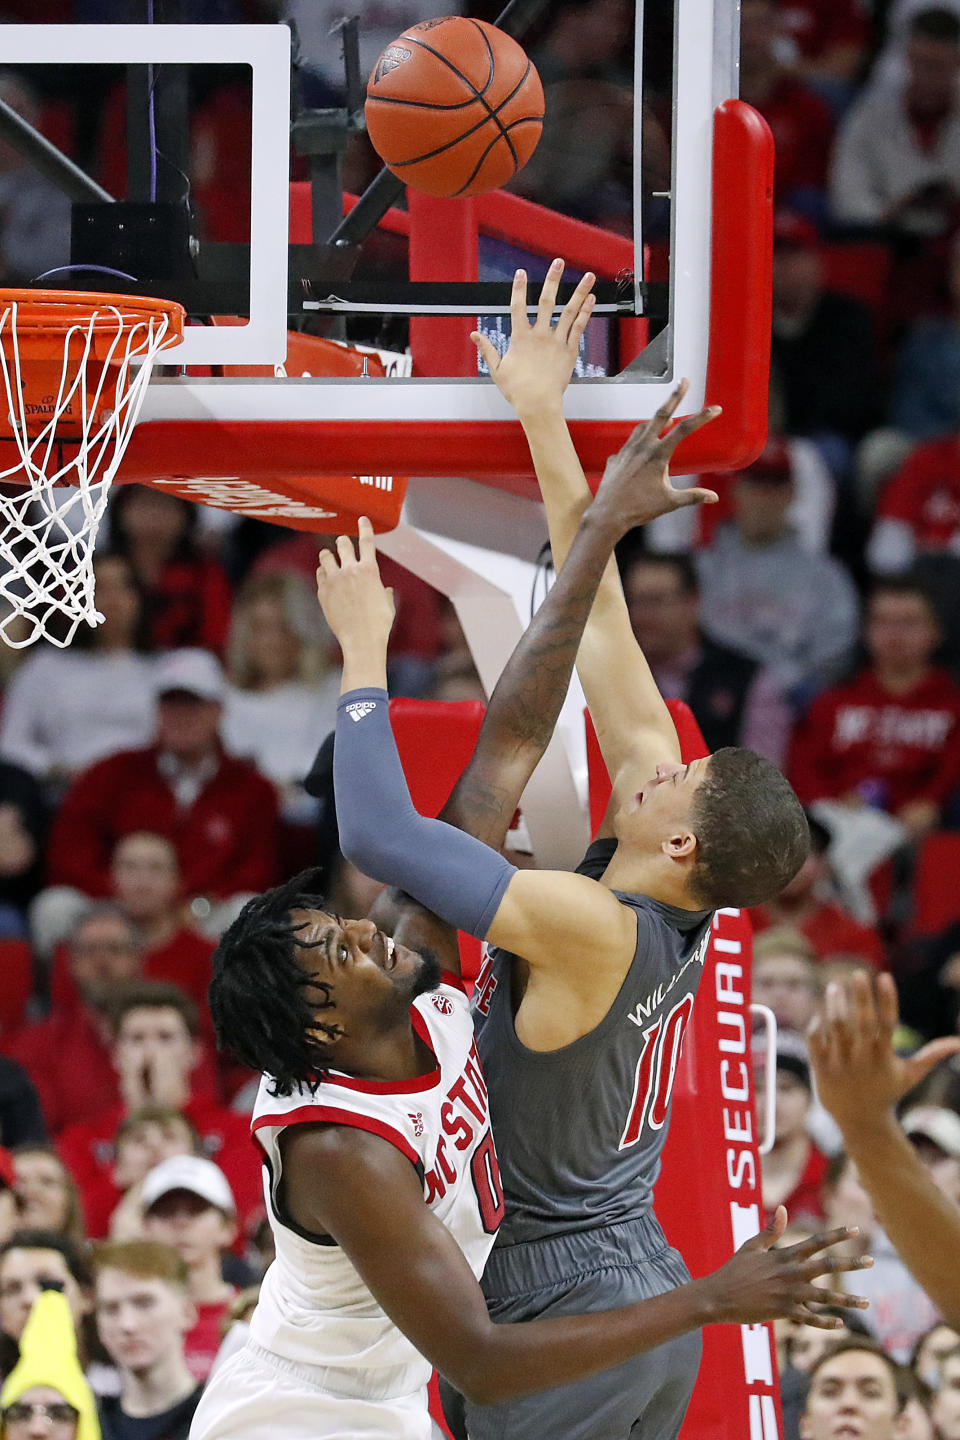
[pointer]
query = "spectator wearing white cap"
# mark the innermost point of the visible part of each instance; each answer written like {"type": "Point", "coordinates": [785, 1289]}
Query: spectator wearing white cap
{"type": "Point", "coordinates": [220, 814]}
{"type": "Point", "coordinates": [188, 1204]}
{"type": "Point", "coordinates": [934, 1132]}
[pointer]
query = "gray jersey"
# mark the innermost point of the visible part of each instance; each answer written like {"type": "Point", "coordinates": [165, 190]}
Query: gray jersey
{"type": "Point", "coordinates": [579, 1131]}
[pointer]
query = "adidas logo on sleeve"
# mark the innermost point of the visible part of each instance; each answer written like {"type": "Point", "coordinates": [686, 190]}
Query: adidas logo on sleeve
{"type": "Point", "coordinates": [359, 708]}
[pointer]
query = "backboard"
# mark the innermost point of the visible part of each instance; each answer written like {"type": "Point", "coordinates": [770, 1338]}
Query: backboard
{"type": "Point", "coordinates": [674, 218]}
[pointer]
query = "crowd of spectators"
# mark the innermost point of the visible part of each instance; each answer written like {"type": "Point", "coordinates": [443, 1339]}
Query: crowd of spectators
{"type": "Point", "coordinates": [152, 774]}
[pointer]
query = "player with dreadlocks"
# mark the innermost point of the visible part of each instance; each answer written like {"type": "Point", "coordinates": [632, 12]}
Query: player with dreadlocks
{"type": "Point", "coordinates": [381, 1181]}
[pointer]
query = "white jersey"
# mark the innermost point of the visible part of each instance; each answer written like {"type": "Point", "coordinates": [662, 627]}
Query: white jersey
{"type": "Point", "coordinates": [314, 1309]}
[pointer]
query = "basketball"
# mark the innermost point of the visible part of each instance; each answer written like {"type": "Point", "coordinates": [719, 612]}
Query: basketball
{"type": "Point", "coordinates": [454, 107]}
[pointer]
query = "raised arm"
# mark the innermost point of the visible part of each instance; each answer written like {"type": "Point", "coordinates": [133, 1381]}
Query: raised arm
{"type": "Point", "coordinates": [546, 918]}
{"type": "Point", "coordinates": [860, 1079]}
{"type": "Point", "coordinates": [633, 725]}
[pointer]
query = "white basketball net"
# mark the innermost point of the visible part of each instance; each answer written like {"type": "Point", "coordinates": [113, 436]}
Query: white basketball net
{"type": "Point", "coordinates": [50, 520]}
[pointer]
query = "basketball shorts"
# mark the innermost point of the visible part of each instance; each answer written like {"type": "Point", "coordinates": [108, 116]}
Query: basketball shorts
{"type": "Point", "coordinates": [256, 1395]}
{"type": "Point", "coordinates": [579, 1274]}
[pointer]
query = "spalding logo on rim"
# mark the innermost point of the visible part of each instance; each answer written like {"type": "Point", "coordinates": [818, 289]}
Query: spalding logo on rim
{"type": "Point", "coordinates": [393, 56]}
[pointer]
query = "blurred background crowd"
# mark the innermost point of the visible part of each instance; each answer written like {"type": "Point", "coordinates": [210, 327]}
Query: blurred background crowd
{"type": "Point", "coordinates": [152, 775]}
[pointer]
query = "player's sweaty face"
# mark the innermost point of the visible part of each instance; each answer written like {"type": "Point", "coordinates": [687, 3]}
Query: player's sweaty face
{"type": "Point", "coordinates": [363, 968]}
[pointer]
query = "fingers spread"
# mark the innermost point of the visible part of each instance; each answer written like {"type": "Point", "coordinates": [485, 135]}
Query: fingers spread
{"type": "Point", "coordinates": [518, 302]}
{"type": "Point", "coordinates": [887, 1007]}
{"type": "Point", "coordinates": [687, 426]}
{"type": "Point", "coordinates": [804, 1249]}
{"type": "Point", "coordinates": [345, 549]}
{"type": "Point", "coordinates": [803, 1316]}
{"type": "Point", "coordinates": [548, 295]}
{"type": "Point", "coordinates": [668, 408]}
{"type": "Point", "coordinates": [488, 351]}
{"type": "Point", "coordinates": [575, 314]}
{"type": "Point", "coordinates": [367, 543]}
{"type": "Point", "coordinates": [695, 496]}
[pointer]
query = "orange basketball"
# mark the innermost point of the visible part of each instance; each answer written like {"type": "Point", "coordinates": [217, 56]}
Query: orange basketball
{"type": "Point", "coordinates": [454, 107]}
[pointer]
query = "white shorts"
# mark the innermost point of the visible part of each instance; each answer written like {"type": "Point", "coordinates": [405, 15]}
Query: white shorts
{"type": "Point", "coordinates": [258, 1396]}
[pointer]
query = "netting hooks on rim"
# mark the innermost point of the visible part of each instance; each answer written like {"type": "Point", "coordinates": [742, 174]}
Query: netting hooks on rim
{"type": "Point", "coordinates": [74, 368]}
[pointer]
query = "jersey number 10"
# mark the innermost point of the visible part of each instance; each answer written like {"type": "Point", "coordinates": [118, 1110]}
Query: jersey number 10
{"type": "Point", "coordinates": [656, 1070]}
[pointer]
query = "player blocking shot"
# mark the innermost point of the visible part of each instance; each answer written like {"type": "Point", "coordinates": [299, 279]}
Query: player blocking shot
{"type": "Point", "coordinates": [381, 1176]}
{"type": "Point", "coordinates": [591, 977]}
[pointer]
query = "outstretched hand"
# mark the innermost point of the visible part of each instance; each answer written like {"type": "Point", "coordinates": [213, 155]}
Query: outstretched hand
{"type": "Point", "coordinates": [539, 361]}
{"type": "Point", "coordinates": [357, 605]}
{"type": "Point", "coordinates": [763, 1282]}
{"type": "Point", "coordinates": [636, 483]}
{"type": "Point", "coordinates": [858, 1073]}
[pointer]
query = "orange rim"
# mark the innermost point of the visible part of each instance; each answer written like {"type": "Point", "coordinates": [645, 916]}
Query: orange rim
{"type": "Point", "coordinates": [54, 312]}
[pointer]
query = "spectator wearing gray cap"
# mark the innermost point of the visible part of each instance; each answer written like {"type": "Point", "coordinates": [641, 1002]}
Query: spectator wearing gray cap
{"type": "Point", "coordinates": [220, 814]}
{"type": "Point", "coordinates": [188, 1204]}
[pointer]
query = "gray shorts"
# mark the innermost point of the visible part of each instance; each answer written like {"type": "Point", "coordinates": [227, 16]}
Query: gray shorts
{"type": "Point", "coordinates": [579, 1274]}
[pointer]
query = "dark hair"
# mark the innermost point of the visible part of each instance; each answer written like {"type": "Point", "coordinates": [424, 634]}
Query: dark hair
{"type": "Point", "coordinates": [936, 24]}
{"type": "Point", "coordinates": [677, 560]}
{"type": "Point", "coordinates": [258, 998]}
{"type": "Point", "coordinates": [909, 583]}
{"type": "Point", "coordinates": [74, 1255]}
{"type": "Point", "coordinates": [752, 834]}
{"type": "Point", "coordinates": [124, 495]}
{"type": "Point", "coordinates": [142, 637]}
{"type": "Point", "coordinates": [151, 995]}
{"type": "Point", "coordinates": [922, 1339]}
{"type": "Point", "coordinates": [866, 1343]}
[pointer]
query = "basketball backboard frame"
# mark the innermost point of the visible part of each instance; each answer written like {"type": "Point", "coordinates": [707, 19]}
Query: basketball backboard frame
{"type": "Point", "coordinates": [266, 50]}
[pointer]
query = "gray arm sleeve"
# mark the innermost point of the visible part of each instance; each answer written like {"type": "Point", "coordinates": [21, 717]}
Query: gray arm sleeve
{"type": "Point", "coordinates": [451, 873]}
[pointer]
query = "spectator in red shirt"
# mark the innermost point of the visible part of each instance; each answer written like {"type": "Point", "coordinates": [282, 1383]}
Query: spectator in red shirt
{"type": "Point", "coordinates": [146, 885]}
{"type": "Point", "coordinates": [800, 120]}
{"type": "Point", "coordinates": [888, 738]}
{"type": "Point", "coordinates": [811, 906]}
{"type": "Point", "coordinates": [829, 37]}
{"type": "Point", "coordinates": [918, 512]}
{"type": "Point", "coordinates": [188, 1204]}
{"type": "Point", "coordinates": [158, 1060]}
{"type": "Point", "coordinates": [220, 814]}
{"type": "Point", "coordinates": [794, 1170]}
{"type": "Point", "coordinates": [188, 591]}
{"type": "Point", "coordinates": [68, 1054]}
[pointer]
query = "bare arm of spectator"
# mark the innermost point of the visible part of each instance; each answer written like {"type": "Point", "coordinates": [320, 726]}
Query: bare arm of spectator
{"type": "Point", "coordinates": [860, 1079]}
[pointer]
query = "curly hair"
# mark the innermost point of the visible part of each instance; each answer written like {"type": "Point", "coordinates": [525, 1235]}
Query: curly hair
{"type": "Point", "coordinates": [258, 1000]}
